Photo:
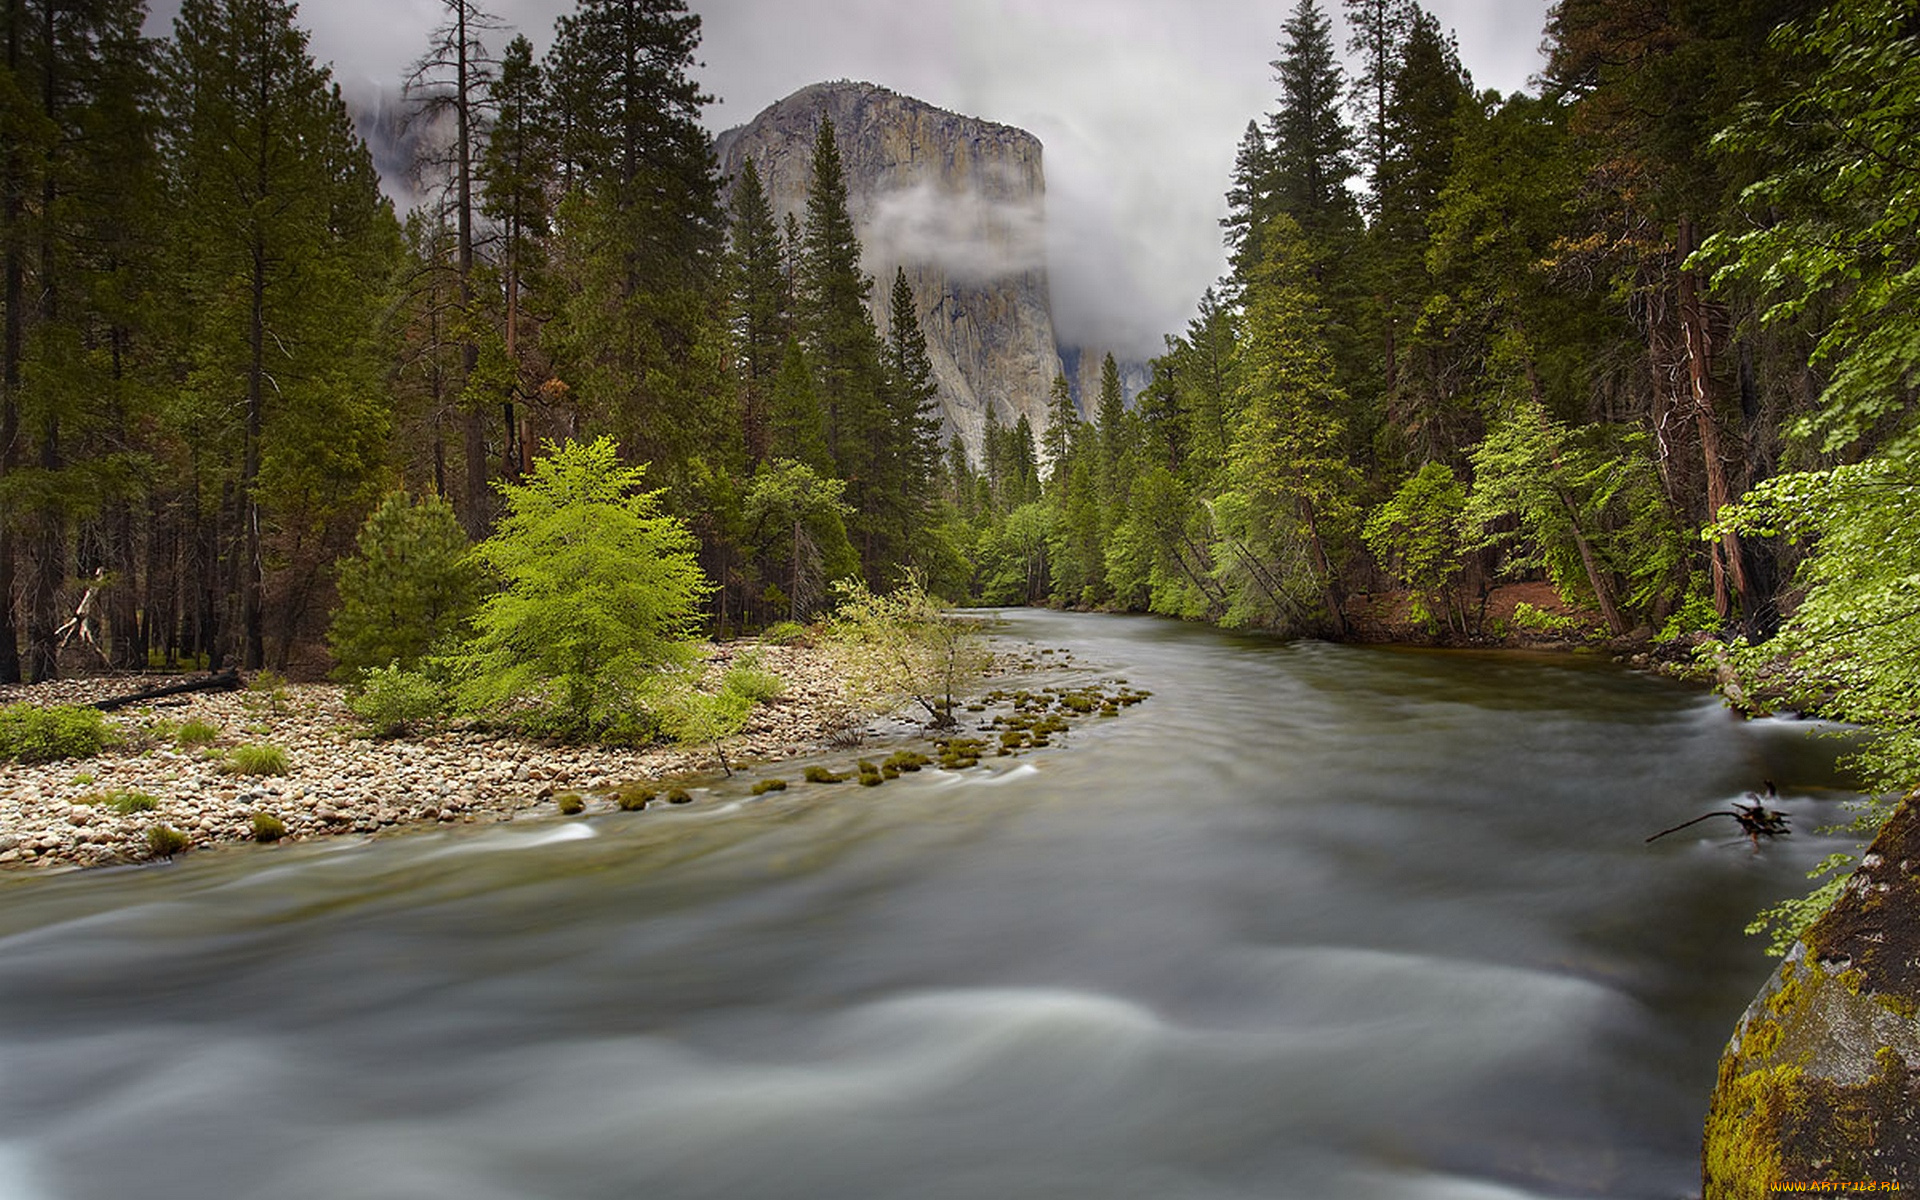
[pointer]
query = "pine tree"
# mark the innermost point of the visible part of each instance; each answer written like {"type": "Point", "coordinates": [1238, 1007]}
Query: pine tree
{"type": "Point", "coordinates": [1292, 485]}
{"type": "Point", "coordinates": [762, 305]}
{"type": "Point", "coordinates": [796, 423]}
{"type": "Point", "coordinates": [1378, 33]}
{"type": "Point", "coordinates": [284, 246]}
{"type": "Point", "coordinates": [842, 345]}
{"type": "Point", "coordinates": [77, 234]}
{"type": "Point", "coordinates": [1250, 199]}
{"type": "Point", "coordinates": [911, 434]}
{"type": "Point", "coordinates": [515, 170]}
{"type": "Point", "coordinates": [452, 80]}
{"type": "Point", "coordinates": [639, 323]}
{"type": "Point", "coordinates": [1312, 143]}
{"type": "Point", "coordinates": [1062, 438]}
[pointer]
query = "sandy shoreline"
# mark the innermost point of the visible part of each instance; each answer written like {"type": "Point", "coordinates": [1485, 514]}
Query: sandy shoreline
{"type": "Point", "coordinates": [339, 781]}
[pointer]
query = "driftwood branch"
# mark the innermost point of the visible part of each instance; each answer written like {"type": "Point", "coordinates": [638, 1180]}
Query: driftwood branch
{"type": "Point", "coordinates": [218, 681]}
{"type": "Point", "coordinates": [1756, 819]}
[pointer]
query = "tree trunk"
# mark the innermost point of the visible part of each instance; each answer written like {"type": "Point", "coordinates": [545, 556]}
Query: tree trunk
{"type": "Point", "coordinates": [12, 346]}
{"type": "Point", "coordinates": [1728, 563]}
{"type": "Point", "coordinates": [1596, 574]}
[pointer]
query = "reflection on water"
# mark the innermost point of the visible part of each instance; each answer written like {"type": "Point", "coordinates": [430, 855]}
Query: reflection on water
{"type": "Point", "coordinates": [1315, 921]}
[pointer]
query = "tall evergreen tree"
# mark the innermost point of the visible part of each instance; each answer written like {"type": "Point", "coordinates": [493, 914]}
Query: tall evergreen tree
{"type": "Point", "coordinates": [452, 81]}
{"type": "Point", "coordinates": [515, 170]}
{"type": "Point", "coordinates": [284, 246]}
{"type": "Point", "coordinates": [910, 456]}
{"type": "Point", "coordinates": [1312, 143]}
{"type": "Point", "coordinates": [1377, 32]}
{"type": "Point", "coordinates": [842, 343]}
{"type": "Point", "coordinates": [640, 320]}
{"type": "Point", "coordinates": [762, 304]}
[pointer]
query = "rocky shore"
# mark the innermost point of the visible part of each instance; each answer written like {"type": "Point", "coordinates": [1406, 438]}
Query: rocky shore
{"type": "Point", "coordinates": [339, 781]}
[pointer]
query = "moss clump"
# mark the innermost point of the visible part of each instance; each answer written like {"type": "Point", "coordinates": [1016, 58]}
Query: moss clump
{"type": "Point", "coordinates": [632, 797]}
{"type": "Point", "coordinates": [679, 796]}
{"type": "Point", "coordinates": [873, 780]}
{"type": "Point", "coordinates": [823, 775]}
{"type": "Point", "coordinates": [570, 803]}
{"type": "Point", "coordinates": [906, 760]}
{"type": "Point", "coordinates": [268, 828]}
{"type": "Point", "coordinates": [769, 785]}
{"type": "Point", "coordinates": [958, 754]}
{"type": "Point", "coordinates": [164, 841]}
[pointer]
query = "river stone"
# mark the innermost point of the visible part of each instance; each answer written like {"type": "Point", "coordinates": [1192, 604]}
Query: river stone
{"type": "Point", "coordinates": [1821, 1082]}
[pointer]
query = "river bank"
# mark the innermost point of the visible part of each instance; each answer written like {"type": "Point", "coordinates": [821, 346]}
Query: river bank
{"type": "Point", "coordinates": [338, 780]}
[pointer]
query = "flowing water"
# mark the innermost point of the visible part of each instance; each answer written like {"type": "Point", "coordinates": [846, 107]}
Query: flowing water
{"type": "Point", "coordinates": [1314, 921]}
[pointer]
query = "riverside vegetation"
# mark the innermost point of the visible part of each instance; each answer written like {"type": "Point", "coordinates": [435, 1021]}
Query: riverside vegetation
{"type": "Point", "coordinates": [1647, 337]}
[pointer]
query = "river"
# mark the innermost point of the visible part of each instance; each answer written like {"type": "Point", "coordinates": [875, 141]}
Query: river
{"type": "Point", "coordinates": [1314, 921]}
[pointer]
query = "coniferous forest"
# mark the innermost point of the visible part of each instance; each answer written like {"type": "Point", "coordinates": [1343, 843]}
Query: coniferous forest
{"type": "Point", "coordinates": [1647, 335]}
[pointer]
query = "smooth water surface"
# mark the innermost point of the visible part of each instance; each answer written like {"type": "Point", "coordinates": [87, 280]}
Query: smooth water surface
{"type": "Point", "coordinates": [1314, 921]}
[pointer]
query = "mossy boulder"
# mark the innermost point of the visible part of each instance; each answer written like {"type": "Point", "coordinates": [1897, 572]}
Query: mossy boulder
{"type": "Point", "coordinates": [1821, 1082]}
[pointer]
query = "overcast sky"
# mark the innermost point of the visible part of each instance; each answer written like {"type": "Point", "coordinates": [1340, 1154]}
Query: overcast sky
{"type": "Point", "coordinates": [1139, 104]}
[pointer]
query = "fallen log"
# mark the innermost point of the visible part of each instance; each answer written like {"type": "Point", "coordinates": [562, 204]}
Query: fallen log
{"type": "Point", "coordinates": [217, 681]}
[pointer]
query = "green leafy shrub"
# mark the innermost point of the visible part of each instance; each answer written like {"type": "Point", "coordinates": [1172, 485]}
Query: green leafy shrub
{"type": "Point", "coordinates": [599, 590]}
{"type": "Point", "coordinates": [393, 700]}
{"type": "Point", "coordinates": [30, 733]}
{"type": "Point", "coordinates": [1539, 620]}
{"type": "Point", "coordinates": [906, 647]}
{"type": "Point", "coordinates": [165, 841]}
{"type": "Point", "coordinates": [570, 803]}
{"type": "Point", "coordinates": [268, 828]}
{"type": "Point", "coordinates": [748, 677]}
{"type": "Point", "coordinates": [785, 633]}
{"type": "Point", "coordinates": [411, 586]}
{"type": "Point", "coordinates": [256, 760]}
{"type": "Point", "coordinates": [196, 733]}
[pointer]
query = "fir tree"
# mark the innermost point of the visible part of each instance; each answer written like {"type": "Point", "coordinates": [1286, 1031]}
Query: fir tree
{"type": "Point", "coordinates": [451, 80]}
{"type": "Point", "coordinates": [762, 305]}
{"type": "Point", "coordinates": [639, 322]}
{"type": "Point", "coordinates": [515, 170]}
{"type": "Point", "coordinates": [1312, 143]}
{"type": "Point", "coordinates": [285, 243]}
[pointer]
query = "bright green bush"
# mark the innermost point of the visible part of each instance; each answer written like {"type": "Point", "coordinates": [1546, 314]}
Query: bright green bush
{"type": "Point", "coordinates": [785, 633]}
{"type": "Point", "coordinates": [30, 733]}
{"type": "Point", "coordinates": [599, 591]}
{"type": "Point", "coordinates": [411, 585]}
{"type": "Point", "coordinates": [393, 700]}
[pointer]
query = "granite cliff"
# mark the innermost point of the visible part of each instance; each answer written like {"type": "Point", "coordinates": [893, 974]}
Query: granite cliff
{"type": "Point", "coordinates": [960, 203]}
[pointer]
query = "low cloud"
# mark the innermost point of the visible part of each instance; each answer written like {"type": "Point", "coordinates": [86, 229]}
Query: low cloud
{"type": "Point", "coordinates": [973, 238]}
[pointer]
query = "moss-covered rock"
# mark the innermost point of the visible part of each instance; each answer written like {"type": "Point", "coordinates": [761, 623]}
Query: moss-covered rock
{"type": "Point", "coordinates": [1821, 1082]}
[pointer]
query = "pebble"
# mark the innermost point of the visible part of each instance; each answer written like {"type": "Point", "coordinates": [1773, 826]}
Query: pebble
{"type": "Point", "coordinates": [341, 781]}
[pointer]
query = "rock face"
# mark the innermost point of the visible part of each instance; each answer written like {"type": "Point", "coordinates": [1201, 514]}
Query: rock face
{"type": "Point", "coordinates": [959, 203]}
{"type": "Point", "coordinates": [1821, 1082]}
